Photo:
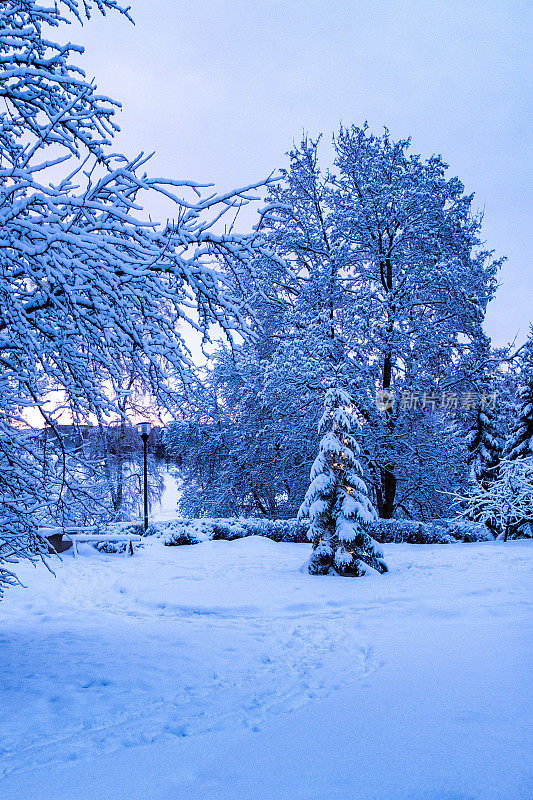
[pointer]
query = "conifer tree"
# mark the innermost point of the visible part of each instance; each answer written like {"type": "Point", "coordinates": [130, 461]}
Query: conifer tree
{"type": "Point", "coordinates": [506, 505]}
{"type": "Point", "coordinates": [520, 441]}
{"type": "Point", "coordinates": [484, 441]}
{"type": "Point", "coordinates": [337, 501]}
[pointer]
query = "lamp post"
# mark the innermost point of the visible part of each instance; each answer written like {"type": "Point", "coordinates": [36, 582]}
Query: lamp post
{"type": "Point", "coordinates": [144, 430]}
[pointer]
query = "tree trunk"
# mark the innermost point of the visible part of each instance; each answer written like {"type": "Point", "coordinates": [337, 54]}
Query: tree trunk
{"type": "Point", "coordinates": [387, 493]}
{"type": "Point", "coordinates": [388, 479]}
{"type": "Point", "coordinates": [388, 482]}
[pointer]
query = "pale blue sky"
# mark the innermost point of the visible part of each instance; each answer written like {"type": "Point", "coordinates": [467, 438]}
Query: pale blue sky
{"type": "Point", "coordinates": [221, 89]}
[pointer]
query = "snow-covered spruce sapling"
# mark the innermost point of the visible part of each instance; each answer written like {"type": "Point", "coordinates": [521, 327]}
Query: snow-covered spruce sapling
{"type": "Point", "coordinates": [337, 501]}
{"type": "Point", "coordinates": [484, 441]}
{"type": "Point", "coordinates": [506, 504]}
{"type": "Point", "coordinates": [520, 441]}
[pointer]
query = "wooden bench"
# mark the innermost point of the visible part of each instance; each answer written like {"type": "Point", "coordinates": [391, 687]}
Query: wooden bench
{"type": "Point", "coordinates": [75, 535]}
{"type": "Point", "coordinates": [105, 537]}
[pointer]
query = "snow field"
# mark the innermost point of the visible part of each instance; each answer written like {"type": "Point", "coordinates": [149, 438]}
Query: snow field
{"type": "Point", "coordinates": [222, 670]}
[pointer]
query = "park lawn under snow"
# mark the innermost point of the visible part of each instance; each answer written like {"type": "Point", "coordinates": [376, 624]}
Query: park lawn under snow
{"type": "Point", "coordinates": [222, 671]}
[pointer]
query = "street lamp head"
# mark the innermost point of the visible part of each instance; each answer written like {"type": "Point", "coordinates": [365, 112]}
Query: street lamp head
{"type": "Point", "coordinates": [144, 429]}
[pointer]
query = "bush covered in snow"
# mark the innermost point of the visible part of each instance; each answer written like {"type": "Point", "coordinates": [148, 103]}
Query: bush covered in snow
{"type": "Point", "coordinates": [464, 530]}
{"type": "Point", "coordinates": [192, 531]}
{"type": "Point", "coordinates": [442, 531]}
{"type": "Point", "coordinates": [410, 531]}
{"type": "Point", "coordinates": [110, 547]}
{"type": "Point", "coordinates": [184, 531]}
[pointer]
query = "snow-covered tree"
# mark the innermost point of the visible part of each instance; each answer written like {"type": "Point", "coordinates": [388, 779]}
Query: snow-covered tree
{"type": "Point", "coordinates": [380, 274]}
{"type": "Point", "coordinates": [484, 441]}
{"type": "Point", "coordinates": [243, 451]}
{"type": "Point", "coordinates": [393, 282]}
{"type": "Point", "coordinates": [520, 441]}
{"type": "Point", "coordinates": [337, 502]}
{"type": "Point", "coordinates": [105, 467]}
{"type": "Point", "coordinates": [506, 503]}
{"type": "Point", "coordinates": [90, 290]}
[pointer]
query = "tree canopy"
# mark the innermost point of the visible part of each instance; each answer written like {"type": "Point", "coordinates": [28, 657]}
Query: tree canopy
{"type": "Point", "coordinates": [381, 284]}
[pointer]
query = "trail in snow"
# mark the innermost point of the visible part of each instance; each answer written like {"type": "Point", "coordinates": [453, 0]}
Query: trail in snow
{"type": "Point", "coordinates": [119, 653]}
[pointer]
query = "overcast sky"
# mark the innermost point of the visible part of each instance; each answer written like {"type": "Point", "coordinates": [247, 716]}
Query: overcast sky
{"type": "Point", "coordinates": [220, 89]}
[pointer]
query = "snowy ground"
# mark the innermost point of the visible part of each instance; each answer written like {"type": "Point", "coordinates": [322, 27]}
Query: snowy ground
{"type": "Point", "coordinates": [222, 672]}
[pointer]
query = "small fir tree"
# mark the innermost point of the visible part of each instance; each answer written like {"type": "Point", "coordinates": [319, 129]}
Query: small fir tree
{"type": "Point", "coordinates": [520, 441]}
{"type": "Point", "coordinates": [337, 502]}
{"type": "Point", "coordinates": [484, 441]}
{"type": "Point", "coordinates": [506, 505]}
